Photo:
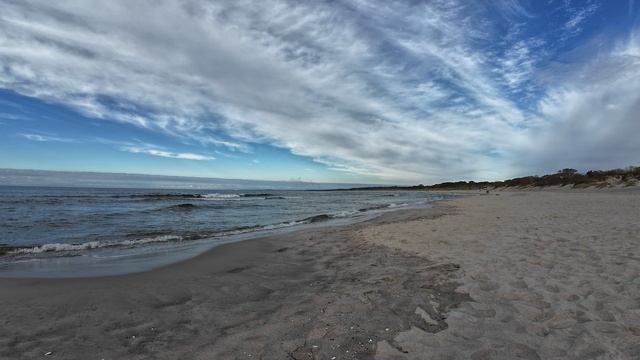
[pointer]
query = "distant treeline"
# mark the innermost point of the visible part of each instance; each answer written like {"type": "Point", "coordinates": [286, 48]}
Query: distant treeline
{"type": "Point", "coordinates": [626, 177]}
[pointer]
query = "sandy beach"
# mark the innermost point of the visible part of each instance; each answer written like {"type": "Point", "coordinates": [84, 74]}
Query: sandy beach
{"type": "Point", "coordinates": [552, 275]}
{"type": "Point", "coordinates": [505, 275]}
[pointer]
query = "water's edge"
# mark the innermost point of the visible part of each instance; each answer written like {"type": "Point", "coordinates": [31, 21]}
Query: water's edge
{"type": "Point", "coordinates": [94, 259]}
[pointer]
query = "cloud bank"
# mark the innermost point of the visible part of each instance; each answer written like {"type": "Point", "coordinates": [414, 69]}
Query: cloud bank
{"type": "Point", "coordinates": [593, 117]}
{"type": "Point", "coordinates": [401, 91]}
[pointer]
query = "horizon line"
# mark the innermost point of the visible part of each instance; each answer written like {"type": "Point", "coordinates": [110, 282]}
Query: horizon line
{"type": "Point", "coordinates": [184, 177]}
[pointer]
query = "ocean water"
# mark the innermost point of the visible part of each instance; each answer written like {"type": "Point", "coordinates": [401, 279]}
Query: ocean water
{"type": "Point", "coordinates": [91, 232]}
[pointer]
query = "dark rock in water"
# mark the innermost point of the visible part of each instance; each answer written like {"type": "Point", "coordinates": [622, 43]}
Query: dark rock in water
{"type": "Point", "coordinates": [373, 208]}
{"type": "Point", "coordinates": [8, 249]}
{"type": "Point", "coordinates": [317, 218]}
{"type": "Point", "coordinates": [164, 196]}
{"type": "Point", "coordinates": [259, 195]}
{"type": "Point", "coordinates": [186, 206]}
{"type": "Point", "coordinates": [5, 249]}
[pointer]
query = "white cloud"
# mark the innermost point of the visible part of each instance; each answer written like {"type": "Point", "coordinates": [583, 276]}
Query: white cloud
{"type": "Point", "coordinates": [138, 146]}
{"type": "Point", "coordinates": [518, 65]}
{"type": "Point", "coordinates": [579, 16]}
{"type": "Point", "coordinates": [592, 116]}
{"type": "Point", "coordinates": [166, 154]}
{"type": "Point", "coordinates": [45, 138]}
{"type": "Point", "coordinates": [513, 8]}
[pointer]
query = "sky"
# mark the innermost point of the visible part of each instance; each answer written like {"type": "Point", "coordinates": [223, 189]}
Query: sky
{"type": "Point", "coordinates": [387, 92]}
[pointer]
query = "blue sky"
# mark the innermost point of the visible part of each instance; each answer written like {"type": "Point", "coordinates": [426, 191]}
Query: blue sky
{"type": "Point", "coordinates": [326, 91]}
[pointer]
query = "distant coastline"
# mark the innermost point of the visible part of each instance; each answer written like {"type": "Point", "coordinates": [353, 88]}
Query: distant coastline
{"type": "Point", "coordinates": [566, 177]}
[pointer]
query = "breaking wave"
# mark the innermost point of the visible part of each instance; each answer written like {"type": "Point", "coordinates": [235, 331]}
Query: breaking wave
{"type": "Point", "coordinates": [92, 245]}
{"type": "Point", "coordinates": [138, 239]}
{"type": "Point", "coordinates": [57, 247]}
{"type": "Point", "coordinates": [188, 196]}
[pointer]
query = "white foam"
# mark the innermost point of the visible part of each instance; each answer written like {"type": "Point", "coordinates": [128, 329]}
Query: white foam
{"type": "Point", "coordinates": [218, 196]}
{"type": "Point", "coordinates": [147, 240]}
{"type": "Point", "coordinates": [346, 213]}
{"type": "Point", "coordinates": [282, 225]}
{"type": "Point", "coordinates": [393, 205]}
{"type": "Point", "coordinates": [57, 247]}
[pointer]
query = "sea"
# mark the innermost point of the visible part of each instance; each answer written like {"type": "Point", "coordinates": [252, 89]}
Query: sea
{"type": "Point", "coordinates": [80, 232]}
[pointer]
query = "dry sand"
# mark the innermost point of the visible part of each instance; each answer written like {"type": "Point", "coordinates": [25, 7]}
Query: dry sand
{"type": "Point", "coordinates": [552, 275]}
{"type": "Point", "coordinates": [531, 275]}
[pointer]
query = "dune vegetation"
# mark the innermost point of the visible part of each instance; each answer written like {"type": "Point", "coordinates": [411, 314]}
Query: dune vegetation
{"type": "Point", "coordinates": [629, 176]}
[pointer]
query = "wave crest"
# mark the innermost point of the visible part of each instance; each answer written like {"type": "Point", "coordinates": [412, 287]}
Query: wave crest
{"type": "Point", "coordinates": [128, 242]}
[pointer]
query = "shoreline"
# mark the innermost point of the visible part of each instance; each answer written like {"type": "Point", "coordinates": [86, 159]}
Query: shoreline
{"type": "Point", "coordinates": [99, 260]}
{"type": "Point", "coordinates": [317, 292]}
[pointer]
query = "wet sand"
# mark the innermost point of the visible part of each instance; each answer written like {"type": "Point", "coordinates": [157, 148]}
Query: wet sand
{"type": "Point", "coordinates": [310, 294]}
{"type": "Point", "coordinates": [517, 275]}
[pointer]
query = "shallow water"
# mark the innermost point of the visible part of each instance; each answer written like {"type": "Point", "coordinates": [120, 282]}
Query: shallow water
{"type": "Point", "coordinates": [88, 232]}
